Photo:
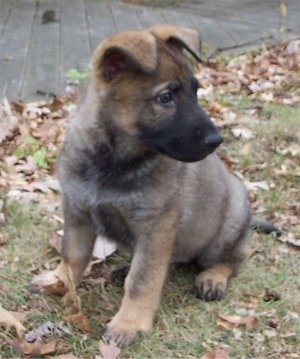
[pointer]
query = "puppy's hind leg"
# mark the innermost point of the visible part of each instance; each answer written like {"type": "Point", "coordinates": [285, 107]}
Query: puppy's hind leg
{"type": "Point", "coordinates": [211, 284]}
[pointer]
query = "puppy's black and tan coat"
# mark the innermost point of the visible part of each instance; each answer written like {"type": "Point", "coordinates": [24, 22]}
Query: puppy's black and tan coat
{"type": "Point", "coordinates": [137, 165]}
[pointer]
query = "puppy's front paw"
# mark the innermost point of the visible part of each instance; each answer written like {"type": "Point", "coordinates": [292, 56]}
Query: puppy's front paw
{"type": "Point", "coordinates": [121, 337]}
{"type": "Point", "coordinates": [212, 283]}
{"type": "Point", "coordinates": [208, 289]}
{"type": "Point", "coordinates": [124, 330]}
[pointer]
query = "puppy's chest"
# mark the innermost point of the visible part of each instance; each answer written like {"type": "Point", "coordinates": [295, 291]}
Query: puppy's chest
{"type": "Point", "coordinates": [113, 223]}
{"type": "Point", "coordinates": [121, 223]}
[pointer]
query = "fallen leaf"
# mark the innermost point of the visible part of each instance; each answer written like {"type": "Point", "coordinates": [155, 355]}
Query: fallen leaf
{"type": "Point", "coordinates": [57, 281]}
{"type": "Point", "coordinates": [292, 52]}
{"type": "Point", "coordinates": [80, 321]}
{"type": "Point", "coordinates": [52, 348]}
{"type": "Point", "coordinates": [108, 351]}
{"type": "Point", "coordinates": [216, 354]}
{"type": "Point", "coordinates": [9, 320]}
{"type": "Point", "coordinates": [293, 150]}
{"type": "Point", "coordinates": [103, 248]}
{"type": "Point", "coordinates": [30, 349]}
{"type": "Point", "coordinates": [254, 186]}
{"type": "Point", "coordinates": [282, 8]}
{"type": "Point", "coordinates": [242, 132]}
{"type": "Point", "coordinates": [65, 356]}
{"type": "Point", "coordinates": [48, 282]}
{"type": "Point", "coordinates": [47, 329]}
{"type": "Point", "coordinates": [230, 322]}
{"type": "Point", "coordinates": [38, 348]}
{"type": "Point", "coordinates": [268, 333]}
{"type": "Point", "coordinates": [273, 323]}
{"type": "Point", "coordinates": [55, 241]}
{"type": "Point", "coordinates": [8, 121]}
{"type": "Point", "coordinates": [270, 295]}
{"type": "Point", "coordinates": [290, 239]}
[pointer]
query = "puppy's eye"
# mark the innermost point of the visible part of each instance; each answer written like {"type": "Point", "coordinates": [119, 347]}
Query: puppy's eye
{"type": "Point", "coordinates": [165, 97]}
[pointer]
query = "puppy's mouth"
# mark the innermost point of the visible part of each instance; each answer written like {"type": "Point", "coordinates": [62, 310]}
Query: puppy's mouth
{"type": "Point", "coordinates": [183, 145]}
{"type": "Point", "coordinates": [185, 154]}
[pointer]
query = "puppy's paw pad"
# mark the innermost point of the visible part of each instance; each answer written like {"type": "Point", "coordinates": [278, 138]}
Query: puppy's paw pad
{"type": "Point", "coordinates": [123, 331]}
{"type": "Point", "coordinates": [122, 338]}
{"type": "Point", "coordinates": [209, 290]}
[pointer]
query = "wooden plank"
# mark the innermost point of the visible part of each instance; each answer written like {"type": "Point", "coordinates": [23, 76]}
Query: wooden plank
{"type": "Point", "coordinates": [124, 16]}
{"type": "Point", "coordinates": [223, 31]}
{"type": "Point", "coordinates": [42, 72]}
{"type": "Point", "coordinates": [5, 9]}
{"type": "Point", "coordinates": [177, 17]}
{"type": "Point", "coordinates": [211, 33]}
{"type": "Point", "coordinates": [15, 43]}
{"type": "Point", "coordinates": [100, 22]}
{"type": "Point", "coordinates": [75, 47]}
{"type": "Point", "coordinates": [149, 16]}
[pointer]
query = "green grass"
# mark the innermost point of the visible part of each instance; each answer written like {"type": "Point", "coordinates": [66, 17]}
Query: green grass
{"type": "Point", "coordinates": [185, 327]}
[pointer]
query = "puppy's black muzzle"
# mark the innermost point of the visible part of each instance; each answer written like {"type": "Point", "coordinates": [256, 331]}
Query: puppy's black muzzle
{"type": "Point", "coordinates": [212, 140]}
{"type": "Point", "coordinates": [186, 137]}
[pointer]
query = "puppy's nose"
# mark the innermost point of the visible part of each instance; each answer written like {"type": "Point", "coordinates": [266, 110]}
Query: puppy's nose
{"type": "Point", "coordinates": [213, 140]}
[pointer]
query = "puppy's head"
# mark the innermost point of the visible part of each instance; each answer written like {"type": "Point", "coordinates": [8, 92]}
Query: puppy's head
{"type": "Point", "coordinates": [150, 91]}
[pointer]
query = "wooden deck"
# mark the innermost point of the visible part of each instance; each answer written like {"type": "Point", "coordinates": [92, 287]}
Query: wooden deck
{"type": "Point", "coordinates": [40, 40]}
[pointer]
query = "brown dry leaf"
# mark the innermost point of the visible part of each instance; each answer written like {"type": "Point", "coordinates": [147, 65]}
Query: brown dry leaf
{"type": "Point", "coordinates": [30, 349]}
{"type": "Point", "coordinates": [270, 295]}
{"type": "Point", "coordinates": [57, 281]}
{"type": "Point", "coordinates": [293, 150]}
{"type": "Point", "coordinates": [282, 8]}
{"type": "Point", "coordinates": [55, 241]}
{"type": "Point", "coordinates": [48, 282]}
{"type": "Point", "coordinates": [38, 348]}
{"type": "Point", "coordinates": [80, 321]}
{"type": "Point", "coordinates": [53, 347]}
{"type": "Point", "coordinates": [73, 312]}
{"type": "Point", "coordinates": [291, 240]}
{"type": "Point", "coordinates": [10, 319]}
{"type": "Point", "coordinates": [56, 104]}
{"type": "Point", "coordinates": [108, 351]}
{"type": "Point", "coordinates": [65, 356]}
{"type": "Point", "coordinates": [8, 121]}
{"type": "Point", "coordinates": [3, 239]}
{"type": "Point", "coordinates": [216, 354]}
{"type": "Point", "coordinates": [230, 322]}
{"type": "Point", "coordinates": [292, 52]}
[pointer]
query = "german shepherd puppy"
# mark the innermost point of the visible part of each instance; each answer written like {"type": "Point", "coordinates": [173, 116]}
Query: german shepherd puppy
{"type": "Point", "coordinates": [137, 166]}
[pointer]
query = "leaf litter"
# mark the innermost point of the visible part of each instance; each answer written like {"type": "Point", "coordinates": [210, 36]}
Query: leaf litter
{"type": "Point", "coordinates": [216, 354]}
{"type": "Point", "coordinates": [108, 351]}
{"type": "Point", "coordinates": [230, 322]}
{"type": "Point", "coordinates": [30, 135]}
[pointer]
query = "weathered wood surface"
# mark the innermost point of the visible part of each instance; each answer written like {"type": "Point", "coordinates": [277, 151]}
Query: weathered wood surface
{"type": "Point", "coordinates": [36, 49]}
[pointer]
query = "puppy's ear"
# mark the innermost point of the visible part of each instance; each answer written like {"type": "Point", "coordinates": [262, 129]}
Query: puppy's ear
{"type": "Point", "coordinates": [134, 51]}
{"type": "Point", "coordinates": [179, 37]}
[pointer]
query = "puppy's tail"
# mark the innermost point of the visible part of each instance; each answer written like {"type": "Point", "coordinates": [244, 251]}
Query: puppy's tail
{"type": "Point", "coordinates": [263, 226]}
